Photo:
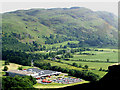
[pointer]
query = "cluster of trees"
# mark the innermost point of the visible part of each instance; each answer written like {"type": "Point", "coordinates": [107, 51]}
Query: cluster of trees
{"type": "Point", "coordinates": [45, 66]}
{"type": "Point", "coordinates": [80, 74]}
{"type": "Point", "coordinates": [16, 57]}
{"type": "Point", "coordinates": [80, 66]}
{"type": "Point", "coordinates": [87, 53]}
{"type": "Point", "coordinates": [75, 64]}
{"type": "Point", "coordinates": [64, 54]}
{"type": "Point", "coordinates": [22, 36]}
{"type": "Point", "coordinates": [101, 69]}
{"type": "Point", "coordinates": [84, 60]}
{"type": "Point", "coordinates": [52, 39]}
{"type": "Point", "coordinates": [36, 46]}
{"type": "Point", "coordinates": [20, 68]}
{"type": "Point", "coordinates": [67, 55]}
{"type": "Point", "coordinates": [61, 52]}
{"type": "Point", "coordinates": [7, 62]}
{"type": "Point", "coordinates": [73, 45]}
{"type": "Point", "coordinates": [22, 58]}
{"type": "Point", "coordinates": [79, 50]}
{"type": "Point", "coordinates": [18, 82]}
{"type": "Point", "coordinates": [5, 68]}
{"type": "Point", "coordinates": [11, 42]}
{"type": "Point", "coordinates": [86, 75]}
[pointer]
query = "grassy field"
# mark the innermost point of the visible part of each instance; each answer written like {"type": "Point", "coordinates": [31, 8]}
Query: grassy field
{"type": "Point", "coordinates": [103, 55]}
{"type": "Point", "coordinates": [92, 65]}
{"type": "Point", "coordinates": [61, 65]}
{"type": "Point", "coordinates": [99, 55]}
{"type": "Point", "coordinates": [12, 66]}
{"type": "Point", "coordinates": [58, 44]}
{"type": "Point", "coordinates": [57, 85]}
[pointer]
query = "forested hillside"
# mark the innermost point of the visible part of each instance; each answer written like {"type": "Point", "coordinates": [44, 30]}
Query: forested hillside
{"type": "Point", "coordinates": [30, 30]}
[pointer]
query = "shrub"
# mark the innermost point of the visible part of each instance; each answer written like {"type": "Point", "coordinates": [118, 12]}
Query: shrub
{"type": "Point", "coordinates": [5, 68]}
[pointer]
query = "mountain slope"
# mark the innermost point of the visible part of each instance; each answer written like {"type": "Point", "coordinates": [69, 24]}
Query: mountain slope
{"type": "Point", "coordinates": [49, 26]}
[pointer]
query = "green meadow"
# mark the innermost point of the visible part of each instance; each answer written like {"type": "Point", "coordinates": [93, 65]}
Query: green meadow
{"type": "Point", "coordinates": [110, 54]}
{"type": "Point", "coordinates": [92, 65]}
{"type": "Point", "coordinates": [58, 44]}
{"type": "Point", "coordinates": [94, 62]}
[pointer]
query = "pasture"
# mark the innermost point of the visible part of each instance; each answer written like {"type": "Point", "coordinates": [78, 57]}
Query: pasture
{"type": "Point", "coordinates": [92, 65]}
{"type": "Point", "coordinates": [53, 63]}
{"type": "Point", "coordinates": [95, 62]}
{"type": "Point", "coordinates": [12, 66]}
{"type": "Point", "coordinates": [58, 44]}
{"type": "Point", "coordinates": [99, 55]}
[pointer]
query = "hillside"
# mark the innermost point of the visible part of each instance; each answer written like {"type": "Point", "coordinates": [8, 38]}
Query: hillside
{"type": "Point", "coordinates": [32, 29]}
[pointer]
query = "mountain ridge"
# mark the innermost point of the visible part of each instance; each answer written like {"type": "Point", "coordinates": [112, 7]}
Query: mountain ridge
{"type": "Point", "coordinates": [56, 25]}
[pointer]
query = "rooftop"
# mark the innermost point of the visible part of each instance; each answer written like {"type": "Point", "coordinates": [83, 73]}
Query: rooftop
{"type": "Point", "coordinates": [35, 72]}
{"type": "Point", "coordinates": [42, 72]}
{"type": "Point", "coordinates": [20, 72]}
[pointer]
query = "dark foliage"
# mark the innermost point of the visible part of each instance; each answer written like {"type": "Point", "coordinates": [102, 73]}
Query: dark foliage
{"type": "Point", "coordinates": [18, 82]}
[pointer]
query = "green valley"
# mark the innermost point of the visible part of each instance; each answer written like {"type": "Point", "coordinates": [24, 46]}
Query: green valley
{"type": "Point", "coordinates": [75, 41]}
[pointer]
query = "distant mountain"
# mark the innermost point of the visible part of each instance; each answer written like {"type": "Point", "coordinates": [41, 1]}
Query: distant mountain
{"type": "Point", "coordinates": [25, 29]}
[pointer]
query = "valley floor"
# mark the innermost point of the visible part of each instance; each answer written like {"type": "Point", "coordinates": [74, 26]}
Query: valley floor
{"type": "Point", "coordinates": [14, 66]}
{"type": "Point", "coordinates": [102, 58]}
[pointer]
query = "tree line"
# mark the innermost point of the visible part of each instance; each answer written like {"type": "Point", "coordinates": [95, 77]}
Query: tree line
{"type": "Point", "coordinates": [86, 75]}
{"type": "Point", "coordinates": [20, 57]}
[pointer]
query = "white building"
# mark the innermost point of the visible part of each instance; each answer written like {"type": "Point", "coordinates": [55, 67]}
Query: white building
{"type": "Point", "coordinates": [36, 73]}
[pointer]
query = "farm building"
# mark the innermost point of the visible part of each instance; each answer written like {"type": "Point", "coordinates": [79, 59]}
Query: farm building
{"type": "Point", "coordinates": [36, 73]}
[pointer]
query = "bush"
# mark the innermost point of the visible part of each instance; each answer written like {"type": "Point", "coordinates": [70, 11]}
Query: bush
{"type": "Point", "coordinates": [7, 62]}
{"type": "Point", "coordinates": [20, 68]}
{"type": "Point", "coordinates": [75, 64]}
{"type": "Point", "coordinates": [5, 68]}
{"type": "Point", "coordinates": [100, 69]}
{"type": "Point", "coordinates": [86, 67]}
